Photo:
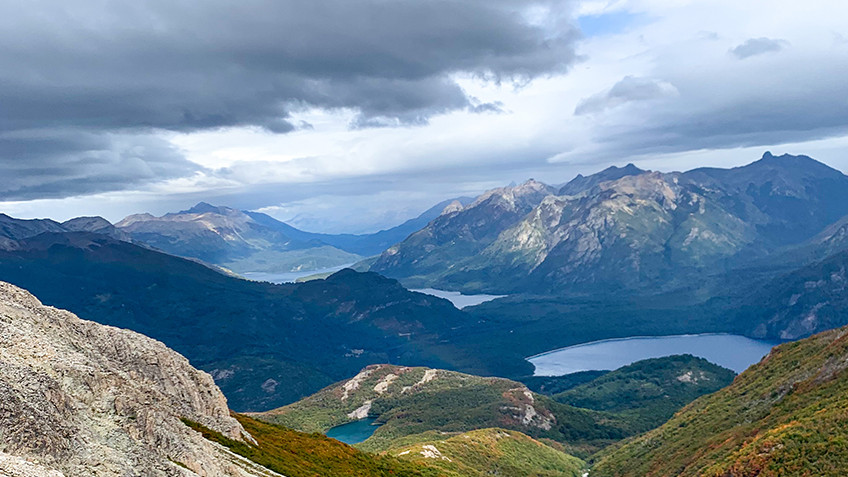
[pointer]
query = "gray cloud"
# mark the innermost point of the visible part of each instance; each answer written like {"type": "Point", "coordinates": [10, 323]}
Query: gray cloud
{"type": "Point", "coordinates": [767, 110]}
{"type": "Point", "coordinates": [60, 163]}
{"type": "Point", "coordinates": [758, 46]}
{"type": "Point", "coordinates": [183, 65]}
{"type": "Point", "coordinates": [629, 89]}
{"type": "Point", "coordinates": [78, 73]}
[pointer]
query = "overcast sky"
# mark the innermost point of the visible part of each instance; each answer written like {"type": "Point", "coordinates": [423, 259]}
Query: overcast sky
{"type": "Point", "coordinates": [353, 115]}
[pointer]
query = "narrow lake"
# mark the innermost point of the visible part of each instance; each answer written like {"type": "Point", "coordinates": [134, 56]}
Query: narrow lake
{"type": "Point", "coordinates": [290, 277]}
{"type": "Point", "coordinates": [731, 351]}
{"type": "Point", "coordinates": [353, 432]}
{"type": "Point", "coordinates": [458, 299]}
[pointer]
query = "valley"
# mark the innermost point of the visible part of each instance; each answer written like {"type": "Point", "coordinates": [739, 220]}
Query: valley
{"type": "Point", "coordinates": [430, 369]}
{"type": "Point", "coordinates": [454, 238]}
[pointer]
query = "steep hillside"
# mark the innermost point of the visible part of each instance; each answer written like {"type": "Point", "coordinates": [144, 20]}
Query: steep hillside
{"type": "Point", "coordinates": [409, 402]}
{"type": "Point", "coordinates": [788, 198]}
{"type": "Point", "coordinates": [296, 454]}
{"type": "Point", "coordinates": [452, 237]}
{"type": "Point", "coordinates": [624, 229]}
{"type": "Point", "coordinates": [488, 452]}
{"type": "Point", "coordinates": [85, 399]}
{"type": "Point", "coordinates": [783, 416]}
{"type": "Point", "coordinates": [809, 300]}
{"type": "Point", "coordinates": [633, 232]}
{"type": "Point", "coordinates": [266, 345]}
{"type": "Point", "coordinates": [650, 391]}
{"type": "Point", "coordinates": [232, 239]}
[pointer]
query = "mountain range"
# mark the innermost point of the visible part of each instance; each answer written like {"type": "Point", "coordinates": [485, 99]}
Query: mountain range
{"type": "Point", "coordinates": [79, 398]}
{"type": "Point", "coordinates": [244, 241]}
{"type": "Point", "coordinates": [625, 229]}
{"type": "Point", "coordinates": [269, 345]}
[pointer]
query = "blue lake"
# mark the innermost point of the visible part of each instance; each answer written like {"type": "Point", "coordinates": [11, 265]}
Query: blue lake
{"type": "Point", "coordinates": [731, 351]}
{"type": "Point", "coordinates": [458, 299]}
{"type": "Point", "coordinates": [354, 432]}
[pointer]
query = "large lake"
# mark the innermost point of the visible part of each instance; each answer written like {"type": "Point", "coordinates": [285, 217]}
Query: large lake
{"type": "Point", "coordinates": [353, 432]}
{"type": "Point", "coordinates": [731, 351]}
{"type": "Point", "coordinates": [290, 277]}
{"type": "Point", "coordinates": [458, 299]}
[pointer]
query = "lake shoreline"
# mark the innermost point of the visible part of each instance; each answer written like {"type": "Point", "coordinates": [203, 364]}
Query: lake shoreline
{"type": "Point", "coordinates": [729, 350]}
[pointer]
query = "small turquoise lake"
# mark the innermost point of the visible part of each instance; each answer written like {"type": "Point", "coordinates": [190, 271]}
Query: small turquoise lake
{"type": "Point", "coordinates": [731, 351]}
{"type": "Point", "coordinates": [354, 432]}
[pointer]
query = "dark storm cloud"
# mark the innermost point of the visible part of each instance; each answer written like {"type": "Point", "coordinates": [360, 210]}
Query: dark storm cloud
{"type": "Point", "coordinates": [186, 65]}
{"type": "Point", "coordinates": [758, 46]}
{"type": "Point", "coordinates": [135, 67]}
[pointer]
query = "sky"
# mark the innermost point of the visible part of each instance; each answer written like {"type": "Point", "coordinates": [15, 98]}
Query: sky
{"type": "Point", "coordinates": [354, 115]}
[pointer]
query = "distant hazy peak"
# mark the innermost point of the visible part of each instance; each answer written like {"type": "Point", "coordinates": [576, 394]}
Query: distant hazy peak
{"type": "Point", "coordinates": [82, 224]}
{"type": "Point", "coordinates": [454, 206]}
{"type": "Point", "coordinates": [131, 219]}
{"type": "Point", "coordinates": [207, 208]}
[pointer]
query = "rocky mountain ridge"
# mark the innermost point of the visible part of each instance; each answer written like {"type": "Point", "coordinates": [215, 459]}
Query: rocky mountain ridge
{"type": "Point", "coordinates": [81, 399]}
{"type": "Point", "coordinates": [623, 228]}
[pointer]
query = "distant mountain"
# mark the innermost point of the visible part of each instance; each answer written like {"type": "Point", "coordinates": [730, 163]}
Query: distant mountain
{"type": "Point", "coordinates": [12, 229]}
{"type": "Point", "coordinates": [783, 416]}
{"type": "Point", "coordinates": [266, 345]}
{"type": "Point", "coordinates": [16, 229]}
{"type": "Point", "coordinates": [232, 239]}
{"type": "Point", "coordinates": [244, 241]}
{"type": "Point", "coordinates": [623, 229]}
{"type": "Point", "coordinates": [456, 236]}
{"type": "Point", "coordinates": [364, 244]}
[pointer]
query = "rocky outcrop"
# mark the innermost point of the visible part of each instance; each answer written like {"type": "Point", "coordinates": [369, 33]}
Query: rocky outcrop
{"type": "Point", "coordinates": [82, 399]}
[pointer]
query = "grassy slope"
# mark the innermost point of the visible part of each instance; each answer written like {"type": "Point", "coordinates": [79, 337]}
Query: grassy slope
{"type": "Point", "coordinates": [649, 392]}
{"type": "Point", "coordinates": [491, 452]}
{"type": "Point", "coordinates": [448, 402]}
{"type": "Point", "coordinates": [296, 454]}
{"type": "Point", "coordinates": [784, 416]}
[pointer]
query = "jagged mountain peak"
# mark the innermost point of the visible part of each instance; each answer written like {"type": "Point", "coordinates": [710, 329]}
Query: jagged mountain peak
{"type": "Point", "coordinates": [582, 183]}
{"type": "Point", "coordinates": [454, 206]}
{"type": "Point", "coordinates": [530, 189]}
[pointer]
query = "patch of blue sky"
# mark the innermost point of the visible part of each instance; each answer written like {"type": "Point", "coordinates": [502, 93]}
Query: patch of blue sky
{"type": "Point", "coordinates": [608, 23]}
